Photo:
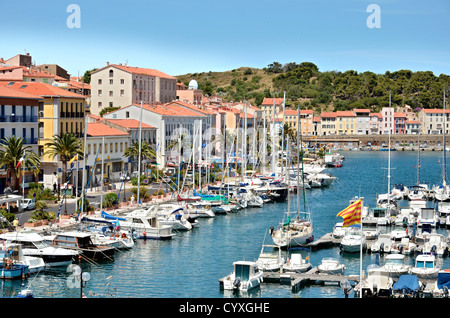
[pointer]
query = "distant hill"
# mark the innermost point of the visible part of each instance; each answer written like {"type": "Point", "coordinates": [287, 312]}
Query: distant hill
{"type": "Point", "coordinates": [307, 87]}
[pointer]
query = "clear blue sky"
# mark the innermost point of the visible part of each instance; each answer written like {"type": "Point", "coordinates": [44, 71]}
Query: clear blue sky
{"type": "Point", "coordinates": [179, 36]}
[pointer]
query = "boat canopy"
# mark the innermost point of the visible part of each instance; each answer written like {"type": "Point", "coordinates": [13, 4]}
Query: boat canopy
{"type": "Point", "coordinates": [443, 279]}
{"type": "Point", "coordinates": [111, 217]}
{"type": "Point", "coordinates": [408, 282]}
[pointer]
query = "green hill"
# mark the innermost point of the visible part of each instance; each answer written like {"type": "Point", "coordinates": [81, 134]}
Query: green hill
{"type": "Point", "coordinates": [307, 87]}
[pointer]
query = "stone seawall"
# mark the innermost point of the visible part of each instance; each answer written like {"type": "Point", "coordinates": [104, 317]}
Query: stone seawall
{"type": "Point", "coordinates": [401, 142]}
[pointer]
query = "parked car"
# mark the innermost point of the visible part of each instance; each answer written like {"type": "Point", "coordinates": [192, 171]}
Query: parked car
{"type": "Point", "coordinates": [27, 204]}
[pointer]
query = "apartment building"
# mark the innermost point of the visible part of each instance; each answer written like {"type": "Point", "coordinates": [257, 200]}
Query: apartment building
{"type": "Point", "coordinates": [269, 104]}
{"type": "Point", "coordinates": [18, 117]}
{"type": "Point", "coordinates": [362, 121]}
{"type": "Point", "coordinates": [345, 123]}
{"type": "Point", "coordinates": [61, 112]}
{"type": "Point", "coordinates": [328, 123]}
{"type": "Point", "coordinates": [117, 85]}
{"type": "Point", "coordinates": [433, 121]}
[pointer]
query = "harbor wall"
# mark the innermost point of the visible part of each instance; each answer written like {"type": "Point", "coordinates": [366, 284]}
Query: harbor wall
{"type": "Point", "coordinates": [401, 142]}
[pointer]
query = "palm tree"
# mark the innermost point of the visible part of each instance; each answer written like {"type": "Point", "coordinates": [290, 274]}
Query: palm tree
{"type": "Point", "coordinates": [147, 151]}
{"type": "Point", "coordinates": [12, 149]}
{"type": "Point", "coordinates": [66, 147]}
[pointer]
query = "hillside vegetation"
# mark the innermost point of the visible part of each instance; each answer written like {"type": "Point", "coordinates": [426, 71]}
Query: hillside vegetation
{"type": "Point", "coordinates": [309, 88]}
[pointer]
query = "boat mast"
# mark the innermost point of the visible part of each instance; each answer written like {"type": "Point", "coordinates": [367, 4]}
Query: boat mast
{"type": "Point", "coordinates": [389, 151]}
{"type": "Point", "coordinates": [139, 158]}
{"type": "Point", "coordinates": [283, 170]}
{"type": "Point", "coordinates": [273, 138]}
{"type": "Point", "coordinates": [264, 150]}
{"type": "Point", "coordinates": [418, 159]}
{"type": "Point", "coordinates": [443, 146]}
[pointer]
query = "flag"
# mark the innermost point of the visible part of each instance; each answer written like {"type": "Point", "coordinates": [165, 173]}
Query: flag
{"type": "Point", "coordinates": [351, 214]}
{"type": "Point", "coordinates": [20, 161]}
{"type": "Point", "coordinates": [73, 159]}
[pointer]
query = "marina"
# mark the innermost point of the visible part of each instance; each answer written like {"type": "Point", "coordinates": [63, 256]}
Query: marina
{"type": "Point", "coordinates": [192, 262]}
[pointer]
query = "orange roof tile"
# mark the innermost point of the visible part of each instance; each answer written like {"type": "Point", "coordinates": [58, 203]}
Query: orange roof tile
{"type": "Point", "coordinates": [129, 123]}
{"type": "Point", "coordinates": [436, 111]}
{"type": "Point", "coordinates": [270, 101]}
{"type": "Point", "coordinates": [412, 122]}
{"type": "Point", "coordinates": [139, 70]}
{"type": "Point", "coordinates": [14, 93]}
{"type": "Point", "coordinates": [99, 129]}
{"type": "Point", "coordinates": [359, 110]}
{"type": "Point", "coordinates": [399, 115]}
{"type": "Point", "coordinates": [328, 114]}
{"type": "Point", "coordinates": [42, 89]}
{"type": "Point", "coordinates": [345, 113]}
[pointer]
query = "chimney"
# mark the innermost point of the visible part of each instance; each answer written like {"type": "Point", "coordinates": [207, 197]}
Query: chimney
{"type": "Point", "coordinates": [107, 63]}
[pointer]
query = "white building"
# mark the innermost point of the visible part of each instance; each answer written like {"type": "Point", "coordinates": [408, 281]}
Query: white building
{"type": "Point", "coordinates": [167, 119]}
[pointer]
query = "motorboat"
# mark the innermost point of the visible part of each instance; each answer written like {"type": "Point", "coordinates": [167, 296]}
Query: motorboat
{"type": "Point", "coordinates": [245, 277]}
{"type": "Point", "coordinates": [338, 230]}
{"type": "Point", "coordinates": [407, 286]}
{"type": "Point", "coordinates": [405, 247]}
{"type": "Point", "coordinates": [443, 209]}
{"type": "Point", "coordinates": [319, 180]}
{"type": "Point", "coordinates": [400, 191]}
{"type": "Point", "coordinates": [295, 263]}
{"type": "Point", "coordinates": [381, 215]}
{"type": "Point", "coordinates": [199, 210]}
{"type": "Point", "coordinates": [144, 224]}
{"type": "Point", "coordinates": [398, 234]}
{"type": "Point", "coordinates": [382, 245]}
{"type": "Point", "coordinates": [418, 192]}
{"type": "Point", "coordinates": [270, 258]}
{"type": "Point", "coordinates": [423, 233]}
{"type": "Point", "coordinates": [436, 243]}
{"type": "Point", "coordinates": [426, 266]}
{"type": "Point", "coordinates": [370, 229]}
{"type": "Point", "coordinates": [331, 265]}
{"type": "Point", "coordinates": [33, 244]}
{"type": "Point", "coordinates": [173, 215]}
{"type": "Point", "coordinates": [292, 232]}
{"type": "Point", "coordinates": [442, 286]}
{"type": "Point", "coordinates": [405, 218]}
{"type": "Point", "coordinates": [378, 284]}
{"type": "Point", "coordinates": [395, 265]}
{"type": "Point", "coordinates": [353, 240]}
{"type": "Point", "coordinates": [13, 252]}
{"type": "Point", "coordinates": [10, 270]}
{"type": "Point", "coordinates": [416, 206]}
{"type": "Point", "coordinates": [441, 192]}
{"type": "Point", "coordinates": [427, 216]}
{"type": "Point", "coordinates": [82, 242]}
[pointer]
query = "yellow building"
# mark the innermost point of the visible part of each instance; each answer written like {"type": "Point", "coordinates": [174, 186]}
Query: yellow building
{"type": "Point", "coordinates": [345, 122]}
{"type": "Point", "coordinates": [61, 112]}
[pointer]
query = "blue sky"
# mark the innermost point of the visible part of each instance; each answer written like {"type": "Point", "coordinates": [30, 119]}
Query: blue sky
{"type": "Point", "coordinates": [179, 37]}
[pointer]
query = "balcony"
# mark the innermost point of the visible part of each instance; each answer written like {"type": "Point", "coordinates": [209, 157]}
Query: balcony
{"type": "Point", "coordinates": [18, 119]}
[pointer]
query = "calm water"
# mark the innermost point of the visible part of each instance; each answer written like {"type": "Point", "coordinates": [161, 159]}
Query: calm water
{"type": "Point", "coordinates": [190, 265]}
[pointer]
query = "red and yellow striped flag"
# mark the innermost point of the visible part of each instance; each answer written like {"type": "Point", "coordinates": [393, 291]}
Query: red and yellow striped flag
{"type": "Point", "coordinates": [352, 213]}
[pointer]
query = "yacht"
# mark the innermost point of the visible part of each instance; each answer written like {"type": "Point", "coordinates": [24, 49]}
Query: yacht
{"type": "Point", "coordinates": [33, 244]}
{"type": "Point", "coordinates": [13, 251]}
{"type": "Point", "coordinates": [81, 242]}
{"type": "Point", "coordinates": [353, 240]}
{"type": "Point", "coordinates": [270, 259]}
{"type": "Point", "coordinates": [331, 265]}
{"type": "Point", "coordinates": [245, 277]}
{"type": "Point", "coordinates": [426, 266]}
{"type": "Point", "coordinates": [395, 265]}
{"type": "Point", "coordinates": [144, 224]}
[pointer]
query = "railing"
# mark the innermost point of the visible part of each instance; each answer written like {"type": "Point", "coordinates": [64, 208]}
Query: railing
{"type": "Point", "coordinates": [18, 119]}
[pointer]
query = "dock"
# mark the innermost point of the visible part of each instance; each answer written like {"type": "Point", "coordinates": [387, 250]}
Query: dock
{"type": "Point", "coordinates": [311, 277]}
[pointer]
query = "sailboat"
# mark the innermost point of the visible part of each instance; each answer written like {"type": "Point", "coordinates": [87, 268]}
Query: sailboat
{"type": "Point", "coordinates": [442, 191]}
{"type": "Point", "coordinates": [297, 231]}
{"type": "Point", "coordinates": [419, 192]}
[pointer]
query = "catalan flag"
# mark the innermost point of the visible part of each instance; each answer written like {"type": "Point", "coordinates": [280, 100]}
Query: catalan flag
{"type": "Point", "coordinates": [352, 213]}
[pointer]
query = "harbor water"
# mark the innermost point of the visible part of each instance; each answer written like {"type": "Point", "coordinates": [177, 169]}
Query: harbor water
{"type": "Point", "coordinates": [190, 265]}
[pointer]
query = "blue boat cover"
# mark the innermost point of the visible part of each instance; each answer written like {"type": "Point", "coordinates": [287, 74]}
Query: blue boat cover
{"type": "Point", "coordinates": [111, 217]}
{"type": "Point", "coordinates": [443, 279]}
{"type": "Point", "coordinates": [408, 282]}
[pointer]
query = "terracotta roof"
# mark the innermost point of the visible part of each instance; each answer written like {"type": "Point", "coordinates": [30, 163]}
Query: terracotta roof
{"type": "Point", "coordinates": [436, 111]}
{"type": "Point", "coordinates": [129, 123]}
{"type": "Point", "coordinates": [412, 122]}
{"type": "Point", "coordinates": [328, 114]}
{"type": "Point", "coordinates": [345, 113]}
{"type": "Point", "coordinates": [14, 93]}
{"type": "Point", "coordinates": [139, 70]}
{"type": "Point", "coordinates": [270, 101]}
{"type": "Point", "coordinates": [190, 106]}
{"type": "Point", "coordinates": [41, 89]}
{"type": "Point", "coordinates": [99, 129]}
{"type": "Point", "coordinates": [292, 112]}
{"type": "Point", "coordinates": [376, 114]}
{"type": "Point", "coordinates": [359, 110]}
{"type": "Point", "coordinates": [166, 110]}
{"type": "Point", "coordinates": [316, 118]}
{"type": "Point", "coordinates": [399, 115]}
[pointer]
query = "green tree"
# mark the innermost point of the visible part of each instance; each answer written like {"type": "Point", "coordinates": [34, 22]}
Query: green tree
{"type": "Point", "coordinates": [87, 76]}
{"type": "Point", "coordinates": [12, 149]}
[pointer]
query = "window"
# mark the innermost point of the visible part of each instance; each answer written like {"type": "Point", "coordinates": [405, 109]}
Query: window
{"type": "Point", "coordinates": [110, 93]}
{"type": "Point", "coordinates": [122, 81]}
{"type": "Point", "coordinates": [111, 81]}
{"type": "Point", "coordinates": [111, 73]}
{"type": "Point", "coordinates": [127, 114]}
{"type": "Point", "coordinates": [99, 81]}
{"type": "Point", "coordinates": [99, 92]}
{"type": "Point", "coordinates": [99, 104]}
{"type": "Point", "coordinates": [122, 92]}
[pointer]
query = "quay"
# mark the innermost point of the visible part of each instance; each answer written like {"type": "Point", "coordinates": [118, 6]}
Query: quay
{"type": "Point", "coordinates": [313, 276]}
